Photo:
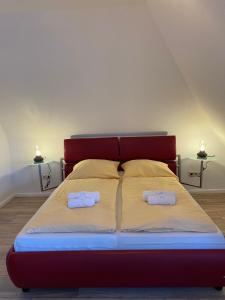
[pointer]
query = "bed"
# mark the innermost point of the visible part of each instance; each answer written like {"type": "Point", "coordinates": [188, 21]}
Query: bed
{"type": "Point", "coordinates": [119, 264]}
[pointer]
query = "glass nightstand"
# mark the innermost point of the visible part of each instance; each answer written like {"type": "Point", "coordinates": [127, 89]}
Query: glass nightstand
{"type": "Point", "coordinates": [203, 166]}
{"type": "Point", "coordinates": [47, 177]}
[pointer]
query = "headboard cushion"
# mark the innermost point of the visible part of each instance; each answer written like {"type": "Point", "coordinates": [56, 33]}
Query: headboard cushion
{"type": "Point", "coordinates": [161, 148]}
{"type": "Point", "coordinates": [86, 148]}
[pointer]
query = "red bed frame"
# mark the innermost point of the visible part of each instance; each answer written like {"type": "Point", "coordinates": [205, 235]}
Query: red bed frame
{"type": "Point", "coordinates": [116, 268]}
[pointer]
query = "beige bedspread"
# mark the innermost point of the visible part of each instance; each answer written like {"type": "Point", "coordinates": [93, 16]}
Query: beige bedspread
{"type": "Point", "coordinates": [137, 215]}
{"type": "Point", "coordinates": [55, 216]}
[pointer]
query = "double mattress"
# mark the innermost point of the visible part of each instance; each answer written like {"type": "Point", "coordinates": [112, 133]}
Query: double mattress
{"type": "Point", "coordinates": [33, 237]}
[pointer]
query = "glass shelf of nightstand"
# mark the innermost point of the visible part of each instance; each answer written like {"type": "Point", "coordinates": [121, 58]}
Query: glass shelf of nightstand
{"type": "Point", "coordinates": [45, 162]}
{"type": "Point", "coordinates": [208, 158]}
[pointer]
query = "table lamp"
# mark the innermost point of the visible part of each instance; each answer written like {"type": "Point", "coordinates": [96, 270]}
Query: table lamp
{"type": "Point", "coordinates": [38, 158]}
{"type": "Point", "coordinates": [202, 153]}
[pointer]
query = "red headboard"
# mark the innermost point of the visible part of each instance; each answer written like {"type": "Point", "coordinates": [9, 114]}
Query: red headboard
{"type": "Point", "coordinates": [79, 149]}
{"type": "Point", "coordinates": [161, 148]}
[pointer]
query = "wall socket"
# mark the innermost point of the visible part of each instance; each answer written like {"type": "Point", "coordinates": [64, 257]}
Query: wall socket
{"type": "Point", "coordinates": [194, 174]}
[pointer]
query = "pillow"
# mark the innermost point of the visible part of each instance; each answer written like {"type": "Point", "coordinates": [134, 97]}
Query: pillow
{"type": "Point", "coordinates": [146, 168]}
{"type": "Point", "coordinates": [94, 168]}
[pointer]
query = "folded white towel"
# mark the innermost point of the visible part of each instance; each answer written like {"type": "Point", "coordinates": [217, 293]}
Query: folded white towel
{"type": "Point", "coordinates": [83, 199]}
{"type": "Point", "coordinates": [77, 203]}
{"type": "Point", "coordinates": [160, 197]}
{"type": "Point", "coordinates": [84, 195]}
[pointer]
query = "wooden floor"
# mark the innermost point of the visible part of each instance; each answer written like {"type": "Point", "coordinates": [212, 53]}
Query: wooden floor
{"type": "Point", "coordinates": [214, 205]}
{"type": "Point", "coordinates": [15, 214]}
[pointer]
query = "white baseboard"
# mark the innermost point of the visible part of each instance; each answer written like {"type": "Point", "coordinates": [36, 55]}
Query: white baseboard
{"type": "Point", "coordinates": [198, 190]}
{"type": "Point", "coordinates": [20, 195]}
{"type": "Point", "coordinates": [6, 200]}
{"type": "Point", "coordinates": [37, 194]}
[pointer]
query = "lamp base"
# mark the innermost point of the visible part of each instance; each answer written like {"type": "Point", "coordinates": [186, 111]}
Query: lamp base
{"type": "Point", "coordinates": [201, 154]}
{"type": "Point", "coordinates": [38, 159]}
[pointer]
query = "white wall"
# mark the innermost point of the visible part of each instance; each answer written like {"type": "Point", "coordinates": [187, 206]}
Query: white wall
{"type": "Point", "coordinates": [94, 66]}
{"type": "Point", "coordinates": [6, 187]}
{"type": "Point", "coordinates": [193, 32]}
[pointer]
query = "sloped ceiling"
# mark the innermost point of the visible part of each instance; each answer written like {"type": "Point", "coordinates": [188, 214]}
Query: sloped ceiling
{"type": "Point", "coordinates": [194, 34]}
{"type": "Point", "coordinates": [92, 66]}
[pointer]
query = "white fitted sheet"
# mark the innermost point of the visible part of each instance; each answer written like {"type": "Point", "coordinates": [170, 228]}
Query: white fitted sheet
{"type": "Point", "coordinates": [117, 241]}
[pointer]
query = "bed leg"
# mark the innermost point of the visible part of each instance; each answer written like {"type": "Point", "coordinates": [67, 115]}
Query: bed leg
{"type": "Point", "coordinates": [218, 288]}
{"type": "Point", "coordinates": [25, 290]}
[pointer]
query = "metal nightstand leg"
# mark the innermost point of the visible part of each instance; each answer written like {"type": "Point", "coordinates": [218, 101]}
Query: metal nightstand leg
{"type": "Point", "coordinates": [201, 173]}
{"type": "Point", "coordinates": [40, 177]}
